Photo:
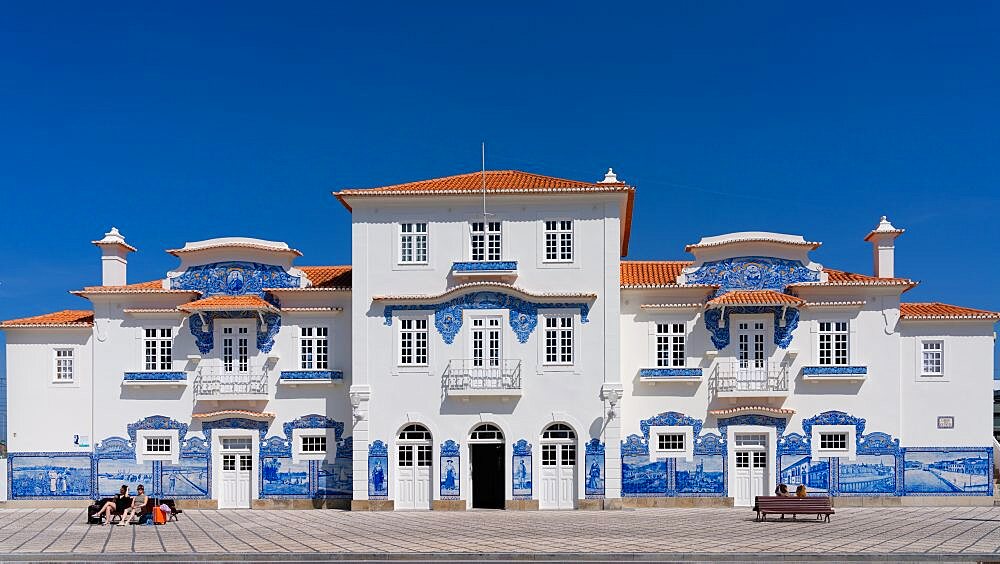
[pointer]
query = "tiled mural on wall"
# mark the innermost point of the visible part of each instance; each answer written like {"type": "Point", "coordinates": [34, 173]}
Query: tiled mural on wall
{"type": "Point", "coordinates": [44, 475]}
{"type": "Point", "coordinates": [521, 470]}
{"type": "Point", "coordinates": [940, 471]}
{"type": "Point", "coordinates": [797, 470]}
{"type": "Point", "coordinates": [451, 483]}
{"type": "Point", "coordinates": [335, 479]}
{"type": "Point", "coordinates": [378, 470]}
{"type": "Point", "coordinates": [114, 473]}
{"type": "Point", "coordinates": [595, 469]}
{"type": "Point", "coordinates": [704, 474]}
{"type": "Point", "coordinates": [187, 478]}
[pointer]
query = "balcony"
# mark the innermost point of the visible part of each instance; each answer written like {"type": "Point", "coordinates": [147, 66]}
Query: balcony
{"type": "Point", "coordinates": [155, 378]}
{"type": "Point", "coordinates": [214, 383]}
{"type": "Point", "coordinates": [485, 269]}
{"type": "Point", "coordinates": [467, 378]}
{"type": "Point", "coordinates": [750, 380]}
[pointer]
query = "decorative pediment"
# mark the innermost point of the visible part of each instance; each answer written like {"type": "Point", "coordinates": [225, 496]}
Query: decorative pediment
{"type": "Point", "coordinates": [786, 320]}
{"type": "Point", "coordinates": [234, 278]}
{"type": "Point", "coordinates": [378, 448]}
{"type": "Point", "coordinates": [115, 447]}
{"type": "Point", "coordinates": [794, 443]}
{"type": "Point", "coordinates": [751, 273]}
{"type": "Point", "coordinates": [670, 419]}
{"type": "Point", "coordinates": [634, 445]}
{"type": "Point", "coordinates": [449, 448]}
{"type": "Point", "coordinates": [523, 313]}
{"type": "Point", "coordinates": [878, 443]}
{"type": "Point", "coordinates": [235, 423]}
{"type": "Point", "coordinates": [522, 448]}
{"type": "Point", "coordinates": [158, 423]}
{"type": "Point", "coordinates": [779, 423]}
{"type": "Point", "coordinates": [595, 446]}
{"type": "Point", "coordinates": [834, 418]}
{"type": "Point", "coordinates": [709, 443]}
{"type": "Point", "coordinates": [314, 421]}
{"type": "Point", "coordinates": [202, 327]}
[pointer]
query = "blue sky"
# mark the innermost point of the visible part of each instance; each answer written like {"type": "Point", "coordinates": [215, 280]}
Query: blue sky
{"type": "Point", "coordinates": [193, 120]}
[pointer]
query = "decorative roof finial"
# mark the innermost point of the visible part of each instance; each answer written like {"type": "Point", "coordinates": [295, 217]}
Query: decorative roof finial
{"type": "Point", "coordinates": [610, 177]}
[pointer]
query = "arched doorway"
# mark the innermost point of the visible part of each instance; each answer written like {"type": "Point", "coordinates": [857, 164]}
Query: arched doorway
{"type": "Point", "coordinates": [414, 460]}
{"type": "Point", "coordinates": [558, 468]}
{"type": "Point", "coordinates": [486, 451]}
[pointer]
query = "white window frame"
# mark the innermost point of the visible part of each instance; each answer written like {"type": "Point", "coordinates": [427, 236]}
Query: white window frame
{"type": "Point", "coordinates": [142, 455]}
{"type": "Point", "coordinates": [921, 350]}
{"type": "Point", "coordinates": [401, 322]}
{"type": "Point", "coordinates": [56, 359]}
{"type": "Point", "coordinates": [654, 442]}
{"type": "Point", "coordinates": [559, 231]}
{"type": "Point", "coordinates": [831, 437]}
{"type": "Point", "coordinates": [414, 235]}
{"type": "Point", "coordinates": [158, 349]}
{"type": "Point", "coordinates": [314, 339]}
{"type": "Point", "coordinates": [489, 236]}
{"type": "Point", "coordinates": [559, 331]}
{"type": "Point", "coordinates": [671, 337]}
{"type": "Point", "coordinates": [833, 332]}
{"type": "Point", "coordinates": [671, 438]}
{"type": "Point", "coordinates": [298, 454]}
{"type": "Point", "coordinates": [851, 452]}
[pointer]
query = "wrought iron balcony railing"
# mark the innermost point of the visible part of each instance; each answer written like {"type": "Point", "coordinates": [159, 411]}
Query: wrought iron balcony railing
{"type": "Point", "coordinates": [482, 377]}
{"type": "Point", "coordinates": [214, 382]}
{"type": "Point", "coordinates": [750, 378]}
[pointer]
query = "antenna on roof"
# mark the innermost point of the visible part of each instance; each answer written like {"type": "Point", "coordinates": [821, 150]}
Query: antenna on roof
{"type": "Point", "coordinates": [485, 215]}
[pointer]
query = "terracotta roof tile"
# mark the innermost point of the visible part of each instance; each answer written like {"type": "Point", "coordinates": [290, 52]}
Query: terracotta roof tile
{"type": "Point", "coordinates": [842, 278]}
{"type": "Point", "coordinates": [936, 310]}
{"type": "Point", "coordinates": [150, 287]}
{"type": "Point", "coordinates": [228, 303]}
{"type": "Point", "coordinates": [64, 318]}
{"type": "Point", "coordinates": [651, 274]}
{"type": "Point", "coordinates": [496, 181]}
{"type": "Point", "coordinates": [328, 276]}
{"type": "Point", "coordinates": [756, 297]}
{"type": "Point", "coordinates": [500, 182]}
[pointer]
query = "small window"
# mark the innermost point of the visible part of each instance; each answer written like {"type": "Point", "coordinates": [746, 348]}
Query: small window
{"type": "Point", "coordinates": [559, 431]}
{"type": "Point", "coordinates": [751, 440]}
{"type": "Point", "coordinates": [158, 347]}
{"type": "Point", "coordinates": [235, 443]}
{"type": "Point", "coordinates": [229, 462]}
{"type": "Point", "coordinates": [933, 358]}
{"type": "Point", "coordinates": [742, 459]}
{"type": "Point", "coordinates": [314, 348]}
{"type": "Point", "coordinates": [558, 339]}
{"type": "Point", "coordinates": [413, 342]}
{"type": "Point", "coordinates": [424, 455]}
{"type": "Point", "coordinates": [64, 365]}
{"type": "Point", "coordinates": [314, 444]}
{"type": "Point", "coordinates": [486, 432]}
{"type": "Point", "coordinates": [158, 445]}
{"type": "Point", "coordinates": [414, 432]}
{"type": "Point", "coordinates": [673, 442]}
{"type": "Point", "coordinates": [833, 441]}
{"type": "Point", "coordinates": [412, 243]}
{"type": "Point", "coordinates": [559, 241]}
{"type": "Point", "coordinates": [833, 339]}
{"type": "Point", "coordinates": [485, 241]}
{"type": "Point", "coordinates": [670, 340]}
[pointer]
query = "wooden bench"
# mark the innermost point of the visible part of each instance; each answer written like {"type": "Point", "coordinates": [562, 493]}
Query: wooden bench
{"type": "Point", "coordinates": [820, 506]}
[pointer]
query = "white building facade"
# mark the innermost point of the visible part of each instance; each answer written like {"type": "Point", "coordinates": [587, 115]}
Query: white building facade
{"type": "Point", "coordinates": [488, 347]}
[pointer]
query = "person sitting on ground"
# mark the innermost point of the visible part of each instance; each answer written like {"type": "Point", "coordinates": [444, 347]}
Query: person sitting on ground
{"type": "Point", "coordinates": [801, 491]}
{"type": "Point", "coordinates": [782, 491]}
{"type": "Point", "coordinates": [119, 503]}
{"type": "Point", "coordinates": [138, 502]}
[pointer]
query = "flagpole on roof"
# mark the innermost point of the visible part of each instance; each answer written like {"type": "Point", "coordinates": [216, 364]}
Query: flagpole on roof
{"type": "Point", "coordinates": [484, 184]}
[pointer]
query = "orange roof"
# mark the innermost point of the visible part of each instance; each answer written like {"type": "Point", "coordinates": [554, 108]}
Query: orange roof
{"type": "Point", "coordinates": [228, 303]}
{"type": "Point", "coordinates": [499, 182]}
{"type": "Point", "coordinates": [328, 276]}
{"type": "Point", "coordinates": [150, 287]}
{"type": "Point", "coordinates": [756, 297]}
{"type": "Point", "coordinates": [842, 278]}
{"type": "Point", "coordinates": [651, 274]}
{"type": "Point", "coordinates": [64, 318]}
{"type": "Point", "coordinates": [936, 310]}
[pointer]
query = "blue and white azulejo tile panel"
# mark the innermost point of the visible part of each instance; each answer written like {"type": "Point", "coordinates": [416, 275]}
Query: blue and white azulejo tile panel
{"type": "Point", "coordinates": [42, 475]}
{"type": "Point", "coordinates": [948, 471]}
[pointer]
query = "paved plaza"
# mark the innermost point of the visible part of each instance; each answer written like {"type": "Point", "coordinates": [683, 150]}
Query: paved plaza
{"type": "Point", "coordinates": [950, 533]}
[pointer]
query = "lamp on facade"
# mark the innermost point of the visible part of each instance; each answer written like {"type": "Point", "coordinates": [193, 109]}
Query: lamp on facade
{"type": "Point", "coordinates": [612, 396]}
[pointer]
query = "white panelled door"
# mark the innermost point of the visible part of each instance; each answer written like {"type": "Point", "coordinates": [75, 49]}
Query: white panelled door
{"type": "Point", "coordinates": [414, 461]}
{"type": "Point", "coordinates": [413, 477]}
{"type": "Point", "coordinates": [558, 468]}
{"type": "Point", "coordinates": [751, 469]}
{"type": "Point", "coordinates": [235, 473]}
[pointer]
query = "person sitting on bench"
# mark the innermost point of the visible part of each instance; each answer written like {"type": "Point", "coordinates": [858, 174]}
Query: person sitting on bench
{"type": "Point", "coordinates": [782, 491]}
{"type": "Point", "coordinates": [138, 502]}
{"type": "Point", "coordinates": [116, 506]}
{"type": "Point", "coordinates": [801, 491]}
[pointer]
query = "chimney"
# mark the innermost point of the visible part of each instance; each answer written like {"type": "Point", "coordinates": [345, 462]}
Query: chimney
{"type": "Point", "coordinates": [114, 253]}
{"type": "Point", "coordinates": [883, 240]}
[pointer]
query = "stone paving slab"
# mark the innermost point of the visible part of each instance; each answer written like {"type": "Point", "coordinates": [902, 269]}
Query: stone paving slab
{"type": "Point", "coordinates": [940, 533]}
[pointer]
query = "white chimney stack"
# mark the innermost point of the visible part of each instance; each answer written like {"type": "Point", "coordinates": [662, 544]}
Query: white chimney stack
{"type": "Point", "coordinates": [883, 240]}
{"type": "Point", "coordinates": [114, 258]}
